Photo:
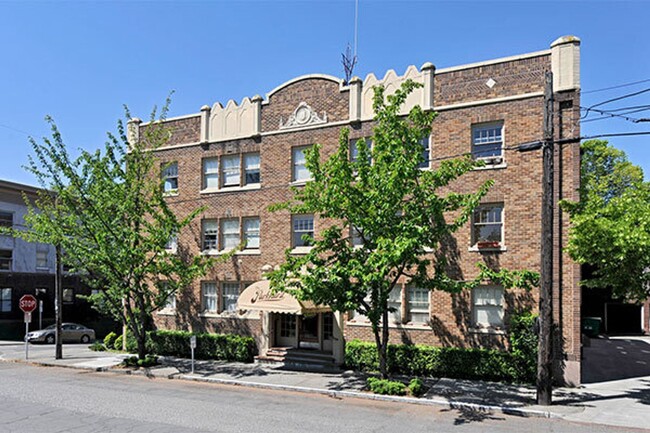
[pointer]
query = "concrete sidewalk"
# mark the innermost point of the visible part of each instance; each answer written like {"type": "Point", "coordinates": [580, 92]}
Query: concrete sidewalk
{"type": "Point", "coordinates": [623, 403]}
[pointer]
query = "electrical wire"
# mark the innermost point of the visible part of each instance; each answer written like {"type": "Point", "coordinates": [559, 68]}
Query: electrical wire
{"type": "Point", "coordinates": [629, 95]}
{"type": "Point", "coordinates": [615, 87]}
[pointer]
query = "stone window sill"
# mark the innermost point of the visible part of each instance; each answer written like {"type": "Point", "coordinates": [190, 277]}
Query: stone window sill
{"type": "Point", "coordinates": [170, 194]}
{"type": "Point", "coordinates": [301, 182]}
{"type": "Point", "coordinates": [408, 325]}
{"type": "Point", "coordinates": [501, 165]}
{"type": "Point", "coordinates": [492, 331]}
{"type": "Point", "coordinates": [229, 315]}
{"type": "Point", "coordinates": [301, 250]}
{"type": "Point", "coordinates": [234, 188]}
{"type": "Point", "coordinates": [476, 249]}
{"type": "Point", "coordinates": [166, 312]}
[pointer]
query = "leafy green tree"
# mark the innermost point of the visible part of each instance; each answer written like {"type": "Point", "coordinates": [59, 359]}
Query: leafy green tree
{"type": "Point", "coordinates": [107, 212]}
{"type": "Point", "coordinates": [396, 210]}
{"type": "Point", "coordinates": [611, 222]}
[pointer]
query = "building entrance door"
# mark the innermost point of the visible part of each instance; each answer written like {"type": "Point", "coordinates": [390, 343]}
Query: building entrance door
{"type": "Point", "coordinates": [309, 332]}
{"type": "Point", "coordinates": [285, 330]}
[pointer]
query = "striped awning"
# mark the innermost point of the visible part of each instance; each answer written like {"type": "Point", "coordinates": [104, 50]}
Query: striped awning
{"type": "Point", "coordinates": [258, 296]}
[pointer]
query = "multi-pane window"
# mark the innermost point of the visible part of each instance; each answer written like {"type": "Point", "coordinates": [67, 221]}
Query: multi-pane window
{"type": "Point", "coordinates": [251, 168]}
{"type": "Point", "coordinates": [424, 142]}
{"type": "Point", "coordinates": [170, 177]}
{"type": "Point", "coordinates": [170, 302]}
{"type": "Point", "coordinates": [252, 233]}
{"type": "Point", "coordinates": [210, 234]}
{"type": "Point", "coordinates": [354, 150]}
{"type": "Point", "coordinates": [229, 295]}
{"type": "Point", "coordinates": [395, 305]}
{"type": "Point", "coordinates": [300, 171]}
{"type": "Point", "coordinates": [172, 243]}
{"type": "Point", "coordinates": [328, 326]}
{"type": "Point", "coordinates": [6, 219]}
{"type": "Point", "coordinates": [41, 258]}
{"type": "Point", "coordinates": [6, 260]}
{"type": "Point", "coordinates": [229, 234]}
{"type": "Point", "coordinates": [287, 325]}
{"type": "Point", "coordinates": [355, 236]}
{"type": "Point", "coordinates": [487, 226]}
{"type": "Point", "coordinates": [209, 293]}
{"type": "Point", "coordinates": [487, 141]}
{"type": "Point", "coordinates": [487, 303]}
{"type": "Point", "coordinates": [5, 300]}
{"type": "Point", "coordinates": [68, 295]}
{"type": "Point", "coordinates": [211, 173]}
{"type": "Point", "coordinates": [418, 304]}
{"type": "Point", "coordinates": [303, 225]}
{"type": "Point", "coordinates": [230, 170]}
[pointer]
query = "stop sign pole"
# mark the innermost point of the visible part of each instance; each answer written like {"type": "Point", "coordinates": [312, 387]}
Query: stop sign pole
{"type": "Point", "coordinates": [27, 304]}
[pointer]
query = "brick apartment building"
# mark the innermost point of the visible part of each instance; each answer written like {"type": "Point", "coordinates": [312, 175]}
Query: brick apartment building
{"type": "Point", "coordinates": [239, 159]}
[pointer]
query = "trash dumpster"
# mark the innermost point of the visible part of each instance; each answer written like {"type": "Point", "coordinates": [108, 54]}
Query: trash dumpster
{"type": "Point", "coordinates": [591, 326]}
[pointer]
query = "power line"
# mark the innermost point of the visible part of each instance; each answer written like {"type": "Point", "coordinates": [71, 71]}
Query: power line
{"type": "Point", "coordinates": [616, 87]}
{"type": "Point", "coordinates": [629, 95]}
{"type": "Point", "coordinates": [609, 114]}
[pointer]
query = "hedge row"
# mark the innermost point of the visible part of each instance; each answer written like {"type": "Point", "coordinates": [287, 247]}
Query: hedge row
{"type": "Point", "coordinates": [518, 365]}
{"type": "Point", "coordinates": [208, 346]}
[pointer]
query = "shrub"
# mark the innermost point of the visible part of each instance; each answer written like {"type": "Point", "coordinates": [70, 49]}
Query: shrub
{"type": "Point", "coordinates": [109, 340]}
{"type": "Point", "coordinates": [418, 360]}
{"type": "Point", "coordinates": [97, 347]}
{"type": "Point", "coordinates": [416, 387]}
{"type": "Point", "coordinates": [386, 387]}
{"type": "Point", "coordinates": [523, 346]}
{"type": "Point", "coordinates": [117, 344]}
{"type": "Point", "coordinates": [134, 361]}
{"type": "Point", "coordinates": [208, 346]}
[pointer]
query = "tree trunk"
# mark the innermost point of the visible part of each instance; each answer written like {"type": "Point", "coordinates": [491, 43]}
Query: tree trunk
{"type": "Point", "coordinates": [383, 352]}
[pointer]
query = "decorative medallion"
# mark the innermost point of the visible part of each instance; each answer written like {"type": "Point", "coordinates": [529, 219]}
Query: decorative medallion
{"type": "Point", "coordinates": [303, 115]}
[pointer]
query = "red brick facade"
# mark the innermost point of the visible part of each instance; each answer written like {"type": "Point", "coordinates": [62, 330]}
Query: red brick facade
{"type": "Point", "coordinates": [463, 98]}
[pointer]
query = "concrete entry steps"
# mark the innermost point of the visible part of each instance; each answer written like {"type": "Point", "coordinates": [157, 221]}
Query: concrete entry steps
{"type": "Point", "coordinates": [291, 358]}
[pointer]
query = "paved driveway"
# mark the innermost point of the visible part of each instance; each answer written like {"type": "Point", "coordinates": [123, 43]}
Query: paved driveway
{"type": "Point", "coordinates": [615, 358]}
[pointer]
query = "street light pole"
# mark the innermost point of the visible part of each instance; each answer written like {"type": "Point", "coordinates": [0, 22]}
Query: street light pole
{"type": "Point", "coordinates": [58, 305]}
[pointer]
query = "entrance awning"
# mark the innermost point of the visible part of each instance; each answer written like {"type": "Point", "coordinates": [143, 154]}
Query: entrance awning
{"type": "Point", "coordinates": [258, 296]}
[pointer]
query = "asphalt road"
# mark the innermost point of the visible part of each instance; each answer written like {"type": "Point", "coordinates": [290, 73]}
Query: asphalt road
{"type": "Point", "coordinates": [42, 399]}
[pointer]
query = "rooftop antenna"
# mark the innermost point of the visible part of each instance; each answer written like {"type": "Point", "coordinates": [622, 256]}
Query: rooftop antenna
{"type": "Point", "coordinates": [349, 59]}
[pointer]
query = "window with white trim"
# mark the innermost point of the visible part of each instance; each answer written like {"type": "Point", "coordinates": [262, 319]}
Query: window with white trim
{"type": "Point", "coordinates": [424, 142]}
{"type": "Point", "coordinates": [251, 233]}
{"type": "Point", "coordinates": [302, 225]}
{"type": "Point", "coordinates": [211, 173]}
{"type": "Point", "coordinates": [172, 244]}
{"type": "Point", "coordinates": [209, 295]}
{"type": "Point", "coordinates": [354, 149]}
{"type": "Point", "coordinates": [170, 177]}
{"type": "Point", "coordinates": [299, 169]}
{"type": "Point", "coordinates": [487, 226]}
{"type": "Point", "coordinates": [395, 304]}
{"type": "Point", "coordinates": [6, 219]}
{"type": "Point", "coordinates": [6, 260]}
{"type": "Point", "coordinates": [41, 258]}
{"type": "Point", "coordinates": [5, 300]}
{"type": "Point", "coordinates": [229, 296]}
{"type": "Point", "coordinates": [230, 170]}
{"type": "Point", "coordinates": [487, 142]}
{"type": "Point", "coordinates": [251, 168]}
{"type": "Point", "coordinates": [355, 236]}
{"type": "Point", "coordinates": [210, 234]}
{"type": "Point", "coordinates": [487, 306]}
{"type": "Point", "coordinates": [229, 234]}
{"type": "Point", "coordinates": [418, 304]}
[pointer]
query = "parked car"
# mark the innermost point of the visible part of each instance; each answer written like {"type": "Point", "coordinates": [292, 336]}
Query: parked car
{"type": "Point", "coordinates": [72, 333]}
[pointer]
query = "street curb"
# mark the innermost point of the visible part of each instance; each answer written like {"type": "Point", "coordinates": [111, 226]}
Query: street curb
{"type": "Point", "coordinates": [506, 410]}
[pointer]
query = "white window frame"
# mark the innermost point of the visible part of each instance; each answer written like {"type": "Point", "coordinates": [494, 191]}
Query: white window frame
{"type": "Point", "coordinates": [485, 302]}
{"type": "Point", "coordinates": [172, 244]}
{"type": "Point", "coordinates": [229, 294]}
{"type": "Point", "coordinates": [68, 295]}
{"type": "Point", "coordinates": [425, 142]}
{"type": "Point", "coordinates": [42, 258]}
{"type": "Point", "coordinates": [227, 236]}
{"type": "Point", "coordinates": [209, 296]}
{"type": "Point", "coordinates": [230, 174]}
{"type": "Point", "coordinates": [395, 301]}
{"type": "Point", "coordinates": [299, 165]}
{"type": "Point", "coordinates": [249, 232]}
{"type": "Point", "coordinates": [6, 301]}
{"type": "Point", "coordinates": [481, 136]}
{"type": "Point", "coordinates": [6, 261]}
{"type": "Point", "coordinates": [251, 167]}
{"type": "Point", "coordinates": [169, 175]}
{"type": "Point", "coordinates": [477, 221]}
{"type": "Point", "coordinates": [211, 174]}
{"type": "Point", "coordinates": [210, 227]}
{"type": "Point", "coordinates": [354, 150]}
{"type": "Point", "coordinates": [418, 308]}
{"type": "Point", "coordinates": [298, 242]}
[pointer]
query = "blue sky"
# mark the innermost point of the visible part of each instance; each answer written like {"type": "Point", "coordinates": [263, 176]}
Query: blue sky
{"type": "Point", "coordinates": [81, 61]}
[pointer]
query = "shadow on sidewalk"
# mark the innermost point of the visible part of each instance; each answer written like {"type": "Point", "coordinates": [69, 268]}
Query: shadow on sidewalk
{"type": "Point", "coordinates": [606, 359]}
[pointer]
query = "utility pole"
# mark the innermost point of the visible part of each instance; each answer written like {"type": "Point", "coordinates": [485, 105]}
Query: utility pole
{"type": "Point", "coordinates": [545, 349]}
{"type": "Point", "coordinates": [58, 305]}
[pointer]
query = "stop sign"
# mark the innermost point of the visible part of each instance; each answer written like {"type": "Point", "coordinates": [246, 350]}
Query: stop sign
{"type": "Point", "coordinates": [27, 303]}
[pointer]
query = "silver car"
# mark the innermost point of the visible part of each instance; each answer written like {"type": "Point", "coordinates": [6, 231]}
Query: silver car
{"type": "Point", "coordinates": [72, 333]}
